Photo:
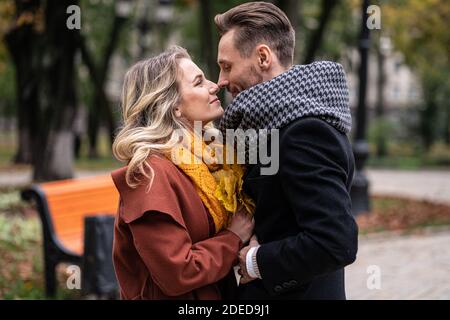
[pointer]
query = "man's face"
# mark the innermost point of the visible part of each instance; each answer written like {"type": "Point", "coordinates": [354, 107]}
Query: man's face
{"type": "Point", "coordinates": [236, 73]}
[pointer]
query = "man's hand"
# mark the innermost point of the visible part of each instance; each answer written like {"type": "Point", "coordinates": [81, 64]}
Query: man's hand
{"type": "Point", "coordinates": [246, 278]}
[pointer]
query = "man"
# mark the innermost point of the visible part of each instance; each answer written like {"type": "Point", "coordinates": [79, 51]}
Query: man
{"type": "Point", "coordinates": [305, 232]}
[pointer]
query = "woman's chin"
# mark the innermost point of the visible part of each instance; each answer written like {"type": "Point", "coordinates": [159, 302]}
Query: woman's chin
{"type": "Point", "coordinates": [220, 113]}
{"type": "Point", "coordinates": [213, 115]}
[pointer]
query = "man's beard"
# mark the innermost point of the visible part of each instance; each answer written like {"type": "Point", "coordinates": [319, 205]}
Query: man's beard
{"type": "Point", "coordinates": [253, 78]}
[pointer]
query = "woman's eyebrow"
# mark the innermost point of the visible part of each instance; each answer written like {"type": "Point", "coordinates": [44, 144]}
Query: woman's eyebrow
{"type": "Point", "coordinates": [197, 76]}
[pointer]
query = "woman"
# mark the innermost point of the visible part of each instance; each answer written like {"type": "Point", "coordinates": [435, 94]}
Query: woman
{"type": "Point", "coordinates": [173, 238]}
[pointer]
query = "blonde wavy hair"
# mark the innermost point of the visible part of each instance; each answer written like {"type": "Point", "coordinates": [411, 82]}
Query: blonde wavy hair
{"type": "Point", "coordinates": [150, 95]}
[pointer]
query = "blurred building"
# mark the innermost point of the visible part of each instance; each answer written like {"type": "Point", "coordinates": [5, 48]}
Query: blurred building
{"type": "Point", "coordinates": [401, 89]}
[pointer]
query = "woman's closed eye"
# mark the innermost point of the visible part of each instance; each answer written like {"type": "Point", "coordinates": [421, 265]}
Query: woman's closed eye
{"type": "Point", "coordinates": [198, 80]}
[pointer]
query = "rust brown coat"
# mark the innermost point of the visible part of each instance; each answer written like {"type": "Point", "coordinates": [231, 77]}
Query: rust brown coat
{"type": "Point", "coordinates": [163, 247]}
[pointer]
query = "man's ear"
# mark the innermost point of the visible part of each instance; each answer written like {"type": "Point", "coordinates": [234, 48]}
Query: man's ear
{"type": "Point", "coordinates": [265, 57]}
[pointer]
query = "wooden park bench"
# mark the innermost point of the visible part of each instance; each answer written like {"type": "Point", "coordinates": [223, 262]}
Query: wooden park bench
{"type": "Point", "coordinates": [63, 206]}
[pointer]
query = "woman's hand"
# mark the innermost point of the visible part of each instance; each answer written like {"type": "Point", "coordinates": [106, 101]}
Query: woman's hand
{"type": "Point", "coordinates": [242, 224]}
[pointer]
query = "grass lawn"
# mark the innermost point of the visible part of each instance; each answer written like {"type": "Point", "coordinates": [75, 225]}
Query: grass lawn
{"type": "Point", "coordinates": [21, 274]}
{"type": "Point", "coordinates": [408, 163]}
{"type": "Point", "coordinates": [104, 162]}
{"type": "Point", "coordinates": [403, 157]}
{"type": "Point", "coordinates": [402, 163]}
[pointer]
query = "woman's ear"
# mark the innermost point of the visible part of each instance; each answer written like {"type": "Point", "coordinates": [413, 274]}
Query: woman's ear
{"type": "Point", "coordinates": [264, 57]}
{"type": "Point", "coordinates": [178, 112]}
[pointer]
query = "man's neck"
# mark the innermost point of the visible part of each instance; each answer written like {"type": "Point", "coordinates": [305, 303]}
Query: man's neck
{"type": "Point", "coordinates": [275, 72]}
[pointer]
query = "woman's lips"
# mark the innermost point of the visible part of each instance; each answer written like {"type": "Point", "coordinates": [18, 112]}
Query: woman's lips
{"type": "Point", "coordinates": [214, 101]}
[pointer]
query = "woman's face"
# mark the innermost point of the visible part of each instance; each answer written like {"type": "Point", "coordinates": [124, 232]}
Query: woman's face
{"type": "Point", "coordinates": [199, 101]}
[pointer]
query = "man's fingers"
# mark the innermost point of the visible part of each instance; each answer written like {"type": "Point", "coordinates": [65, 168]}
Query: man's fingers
{"type": "Point", "coordinates": [245, 280]}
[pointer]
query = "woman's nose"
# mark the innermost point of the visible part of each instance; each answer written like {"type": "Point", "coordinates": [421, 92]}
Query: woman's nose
{"type": "Point", "coordinates": [214, 88]}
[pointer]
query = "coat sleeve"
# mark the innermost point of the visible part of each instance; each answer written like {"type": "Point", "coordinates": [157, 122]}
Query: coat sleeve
{"type": "Point", "coordinates": [177, 265]}
{"type": "Point", "coordinates": [314, 169]}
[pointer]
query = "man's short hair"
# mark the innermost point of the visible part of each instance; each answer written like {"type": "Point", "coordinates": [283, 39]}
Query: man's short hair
{"type": "Point", "coordinates": [259, 22]}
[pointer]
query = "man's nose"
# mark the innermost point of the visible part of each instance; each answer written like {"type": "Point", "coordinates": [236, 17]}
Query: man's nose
{"type": "Point", "coordinates": [222, 82]}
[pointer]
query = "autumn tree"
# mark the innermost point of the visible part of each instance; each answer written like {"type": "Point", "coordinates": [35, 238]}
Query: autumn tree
{"type": "Point", "coordinates": [419, 29]}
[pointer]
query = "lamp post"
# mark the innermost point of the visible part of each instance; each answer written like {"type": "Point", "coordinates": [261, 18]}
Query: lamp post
{"type": "Point", "coordinates": [360, 187]}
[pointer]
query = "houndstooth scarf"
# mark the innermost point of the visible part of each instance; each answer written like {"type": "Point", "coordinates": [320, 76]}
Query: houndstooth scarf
{"type": "Point", "coordinates": [317, 90]}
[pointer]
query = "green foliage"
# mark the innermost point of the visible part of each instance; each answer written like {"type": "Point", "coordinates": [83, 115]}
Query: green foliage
{"type": "Point", "coordinates": [190, 37]}
{"type": "Point", "coordinates": [7, 89]}
{"type": "Point", "coordinates": [419, 29]}
{"type": "Point", "coordinates": [19, 242]}
{"type": "Point", "coordinates": [191, 29]}
{"type": "Point", "coordinates": [406, 156]}
{"type": "Point", "coordinates": [7, 75]}
{"type": "Point", "coordinates": [7, 11]}
{"type": "Point", "coordinates": [396, 162]}
{"type": "Point", "coordinates": [96, 25]}
{"type": "Point", "coordinates": [97, 18]}
{"type": "Point", "coordinates": [17, 231]}
{"type": "Point", "coordinates": [380, 132]}
{"type": "Point", "coordinates": [9, 199]}
{"type": "Point", "coordinates": [402, 149]}
{"type": "Point", "coordinates": [341, 33]}
{"type": "Point", "coordinates": [7, 148]}
{"type": "Point", "coordinates": [438, 155]}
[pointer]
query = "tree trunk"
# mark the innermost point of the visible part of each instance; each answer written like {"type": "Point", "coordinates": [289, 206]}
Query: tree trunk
{"type": "Point", "coordinates": [292, 8]}
{"type": "Point", "coordinates": [93, 128]}
{"type": "Point", "coordinates": [22, 43]}
{"type": "Point", "coordinates": [317, 36]}
{"type": "Point", "coordinates": [208, 42]}
{"type": "Point", "coordinates": [428, 114]}
{"type": "Point", "coordinates": [54, 150]}
{"type": "Point", "coordinates": [447, 127]}
{"type": "Point", "coordinates": [101, 107]}
{"type": "Point", "coordinates": [379, 109]}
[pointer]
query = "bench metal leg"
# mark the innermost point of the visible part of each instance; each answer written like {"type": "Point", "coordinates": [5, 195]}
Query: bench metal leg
{"type": "Point", "coordinates": [50, 277]}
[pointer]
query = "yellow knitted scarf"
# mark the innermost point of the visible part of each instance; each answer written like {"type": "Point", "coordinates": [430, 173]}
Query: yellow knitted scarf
{"type": "Point", "coordinates": [218, 185]}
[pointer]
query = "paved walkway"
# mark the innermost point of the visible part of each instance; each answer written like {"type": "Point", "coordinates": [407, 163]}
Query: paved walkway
{"type": "Point", "coordinates": [410, 267]}
{"type": "Point", "coordinates": [24, 177]}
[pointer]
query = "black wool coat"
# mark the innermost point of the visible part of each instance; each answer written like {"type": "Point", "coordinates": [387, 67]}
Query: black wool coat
{"type": "Point", "coordinates": [303, 217]}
